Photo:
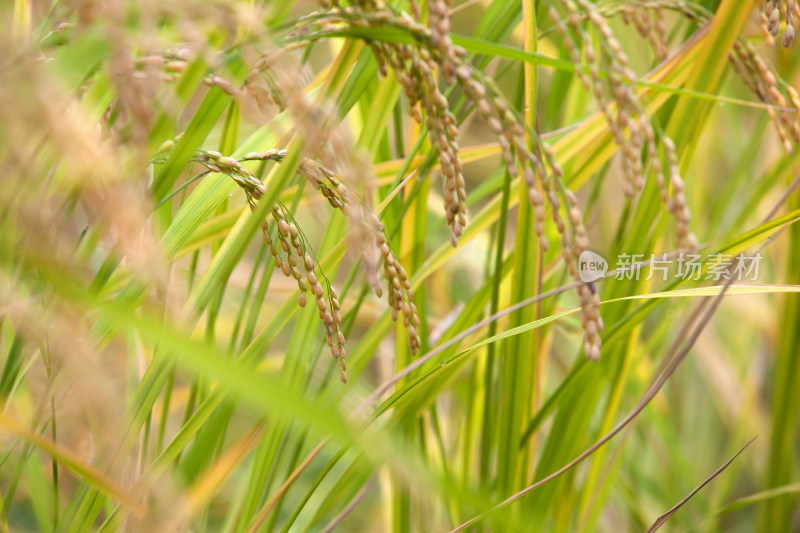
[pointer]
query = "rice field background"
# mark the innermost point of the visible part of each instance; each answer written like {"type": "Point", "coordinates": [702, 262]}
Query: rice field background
{"type": "Point", "coordinates": [399, 266]}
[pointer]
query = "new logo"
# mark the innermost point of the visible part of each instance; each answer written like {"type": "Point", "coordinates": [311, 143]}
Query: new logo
{"type": "Point", "coordinates": [591, 266]}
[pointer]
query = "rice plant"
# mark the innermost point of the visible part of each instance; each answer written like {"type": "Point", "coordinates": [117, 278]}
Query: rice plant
{"type": "Point", "coordinates": [399, 265]}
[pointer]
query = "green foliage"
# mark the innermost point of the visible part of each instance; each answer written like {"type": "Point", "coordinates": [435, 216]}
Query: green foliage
{"type": "Point", "coordinates": [165, 367]}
